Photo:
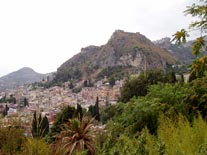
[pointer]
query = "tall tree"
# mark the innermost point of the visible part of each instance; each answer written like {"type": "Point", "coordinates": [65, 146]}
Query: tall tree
{"type": "Point", "coordinates": [61, 118]}
{"type": "Point", "coordinates": [79, 111]}
{"type": "Point", "coordinates": [25, 102]}
{"type": "Point", "coordinates": [34, 125]}
{"type": "Point", "coordinates": [44, 126]}
{"type": "Point", "coordinates": [96, 110]}
{"type": "Point", "coordinates": [40, 126]}
{"type": "Point", "coordinates": [199, 10]}
{"type": "Point", "coordinates": [5, 112]}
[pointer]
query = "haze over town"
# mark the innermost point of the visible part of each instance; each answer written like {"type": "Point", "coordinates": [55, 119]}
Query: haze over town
{"type": "Point", "coordinates": [44, 34]}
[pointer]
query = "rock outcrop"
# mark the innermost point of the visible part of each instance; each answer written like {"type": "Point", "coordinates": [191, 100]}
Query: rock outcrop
{"type": "Point", "coordinates": [124, 52]}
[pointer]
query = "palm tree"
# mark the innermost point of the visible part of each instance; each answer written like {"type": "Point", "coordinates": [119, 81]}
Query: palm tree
{"type": "Point", "coordinates": [77, 136]}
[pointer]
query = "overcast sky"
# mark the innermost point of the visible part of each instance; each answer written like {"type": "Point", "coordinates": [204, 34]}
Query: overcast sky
{"type": "Point", "coordinates": [42, 34]}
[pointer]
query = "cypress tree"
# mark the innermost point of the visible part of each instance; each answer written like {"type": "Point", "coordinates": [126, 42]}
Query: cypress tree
{"type": "Point", "coordinates": [44, 126]}
{"type": "Point", "coordinates": [5, 112]}
{"type": "Point", "coordinates": [40, 126]}
{"type": "Point", "coordinates": [97, 114]}
{"type": "Point", "coordinates": [25, 102]}
{"type": "Point", "coordinates": [79, 112]}
{"type": "Point", "coordinates": [34, 125]}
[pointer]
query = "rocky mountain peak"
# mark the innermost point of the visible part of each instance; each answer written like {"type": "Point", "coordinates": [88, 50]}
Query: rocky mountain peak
{"type": "Point", "coordinates": [122, 37]}
{"type": "Point", "coordinates": [124, 53]}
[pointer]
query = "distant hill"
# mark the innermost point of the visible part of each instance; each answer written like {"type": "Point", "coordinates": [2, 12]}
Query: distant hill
{"type": "Point", "coordinates": [183, 52]}
{"type": "Point", "coordinates": [124, 53]}
{"type": "Point", "coordinates": [23, 76]}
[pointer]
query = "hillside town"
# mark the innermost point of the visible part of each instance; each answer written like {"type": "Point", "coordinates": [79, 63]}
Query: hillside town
{"type": "Point", "coordinates": [50, 101]}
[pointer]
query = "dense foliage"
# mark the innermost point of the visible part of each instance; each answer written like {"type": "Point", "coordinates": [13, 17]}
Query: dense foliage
{"type": "Point", "coordinates": [11, 140]}
{"type": "Point", "coordinates": [174, 136]}
{"type": "Point", "coordinates": [199, 12]}
{"type": "Point", "coordinates": [138, 85]}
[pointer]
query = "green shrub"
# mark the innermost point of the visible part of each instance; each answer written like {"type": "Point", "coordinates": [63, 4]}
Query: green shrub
{"type": "Point", "coordinates": [11, 140]}
{"type": "Point", "coordinates": [138, 86]}
{"type": "Point", "coordinates": [175, 136]}
{"type": "Point", "coordinates": [36, 146]}
{"type": "Point", "coordinates": [196, 96]}
{"type": "Point", "coordinates": [179, 136]}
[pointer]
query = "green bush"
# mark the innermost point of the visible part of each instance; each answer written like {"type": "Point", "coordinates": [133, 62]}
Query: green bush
{"type": "Point", "coordinates": [11, 139]}
{"type": "Point", "coordinates": [180, 136]}
{"type": "Point", "coordinates": [196, 96]}
{"type": "Point", "coordinates": [36, 146]}
{"type": "Point", "coordinates": [175, 136]}
{"type": "Point", "coordinates": [138, 86]}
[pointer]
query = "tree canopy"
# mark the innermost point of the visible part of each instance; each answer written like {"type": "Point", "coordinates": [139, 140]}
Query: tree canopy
{"type": "Point", "coordinates": [199, 12]}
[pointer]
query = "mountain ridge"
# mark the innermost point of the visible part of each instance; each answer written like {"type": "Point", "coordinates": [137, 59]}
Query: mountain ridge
{"type": "Point", "coordinates": [123, 54]}
{"type": "Point", "coordinates": [183, 52]}
{"type": "Point", "coordinates": [130, 52]}
{"type": "Point", "coordinates": [20, 77]}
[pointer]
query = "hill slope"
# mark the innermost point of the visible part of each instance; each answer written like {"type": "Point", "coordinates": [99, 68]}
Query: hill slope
{"type": "Point", "coordinates": [124, 53]}
{"type": "Point", "coordinates": [23, 76]}
{"type": "Point", "coordinates": [182, 52]}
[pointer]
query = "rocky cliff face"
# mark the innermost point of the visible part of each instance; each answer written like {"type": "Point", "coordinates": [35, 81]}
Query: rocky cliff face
{"type": "Point", "coordinates": [133, 49]}
{"type": "Point", "coordinates": [124, 52]}
{"type": "Point", "coordinates": [23, 76]}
